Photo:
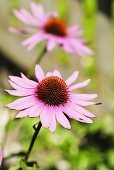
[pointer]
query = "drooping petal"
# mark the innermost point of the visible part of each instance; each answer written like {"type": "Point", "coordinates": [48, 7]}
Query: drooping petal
{"type": "Point", "coordinates": [22, 103]}
{"type": "Point", "coordinates": [33, 40]}
{"type": "Point", "coordinates": [77, 116]}
{"type": "Point", "coordinates": [46, 118]}
{"type": "Point", "coordinates": [51, 44]}
{"type": "Point", "coordinates": [83, 111]}
{"type": "Point", "coordinates": [35, 110]}
{"type": "Point", "coordinates": [61, 118]}
{"type": "Point", "coordinates": [80, 85]}
{"type": "Point", "coordinates": [75, 31]}
{"type": "Point", "coordinates": [39, 73]}
{"type": "Point", "coordinates": [72, 78]}
{"type": "Point", "coordinates": [80, 48]}
{"type": "Point", "coordinates": [23, 113]}
{"type": "Point", "coordinates": [52, 126]}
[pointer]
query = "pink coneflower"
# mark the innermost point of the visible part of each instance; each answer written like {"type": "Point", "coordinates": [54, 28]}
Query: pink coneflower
{"type": "Point", "coordinates": [51, 28]}
{"type": "Point", "coordinates": [51, 98]}
{"type": "Point", "coordinates": [1, 157]}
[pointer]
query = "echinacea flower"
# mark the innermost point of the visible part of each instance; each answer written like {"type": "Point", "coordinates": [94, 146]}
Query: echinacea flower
{"type": "Point", "coordinates": [48, 26]}
{"type": "Point", "coordinates": [1, 157]}
{"type": "Point", "coordinates": [51, 98]}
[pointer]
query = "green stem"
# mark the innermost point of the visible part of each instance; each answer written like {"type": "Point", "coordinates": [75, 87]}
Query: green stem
{"type": "Point", "coordinates": [38, 60]}
{"type": "Point", "coordinates": [37, 129]}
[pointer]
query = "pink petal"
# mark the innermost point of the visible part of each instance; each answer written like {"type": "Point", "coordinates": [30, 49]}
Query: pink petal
{"type": "Point", "coordinates": [1, 157]}
{"type": "Point", "coordinates": [21, 17]}
{"type": "Point", "coordinates": [33, 40]}
{"type": "Point", "coordinates": [35, 110]}
{"type": "Point", "coordinates": [51, 44]}
{"type": "Point", "coordinates": [57, 73]}
{"type": "Point", "coordinates": [80, 85]}
{"type": "Point", "coordinates": [22, 103]}
{"type": "Point", "coordinates": [80, 48]}
{"type": "Point", "coordinates": [15, 86]}
{"type": "Point", "coordinates": [83, 111]}
{"type": "Point", "coordinates": [37, 10]}
{"type": "Point", "coordinates": [23, 113]}
{"type": "Point", "coordinates": [28, 16]}
{"type": "Point", "coordinates": [72, 78]}
{"type": "Point", "coordinates": [75, 31]}
{"type": "Point", "coordinates": [21, 82]}
{"type": "Point", "coordinates": [46, 118]}
{"type": "Point", "coordinates": [31, 82]}
{"type": "Point", "coordinates": [83, 103]}
{"type": "Point", "coordinates": [17, 30]}
{"type": "Point", "coordinates": [27, 19]}
{"type": "Point", "coordinates": [39, 73]}
{"type": "Point", "coordinates": [83, 96]}
{"type": "Point", "coordinates": [49, 74]}
{"type": "Point", "coordinates": [77, 116]}
{"type": "Point", "coordinates": [68, 48]}
{"type": "Point", "coordinates": [61, 118]}
{"type": "Point", "coordinates": [24, 92]}
{"type": "Point", "coordinates": [52, 126]}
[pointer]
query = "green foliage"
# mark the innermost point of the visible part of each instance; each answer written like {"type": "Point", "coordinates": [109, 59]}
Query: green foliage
{"type": "Point", "coordinates": [23, 166]}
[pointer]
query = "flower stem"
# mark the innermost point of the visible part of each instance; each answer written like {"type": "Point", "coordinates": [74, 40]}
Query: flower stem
{"type": "Point", "coordinates": [38, 60]}
{"type": "Point", "coordinates": [37, 129]}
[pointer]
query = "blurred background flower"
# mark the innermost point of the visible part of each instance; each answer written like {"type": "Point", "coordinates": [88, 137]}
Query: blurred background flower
{"type": "Point", "coordinates": [88, 147]}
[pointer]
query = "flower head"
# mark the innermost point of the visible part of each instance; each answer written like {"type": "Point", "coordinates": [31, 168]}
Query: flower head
{"type": "Point", "coordinates": [48, 26]}
{"type": "Point", "coordinates": [51, 98]}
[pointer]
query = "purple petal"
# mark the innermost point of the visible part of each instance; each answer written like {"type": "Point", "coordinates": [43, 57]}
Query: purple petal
{"type": "Point", "coordinates": [61, 118]}
{"type": "Point", "coordinates": [39, 73]}
{"type": "Point", "coordinates": [80, 85]}
{"type": "Point", "coordinates": [72, 78]}
{"type": "Point", "coordinates": [22, 103]}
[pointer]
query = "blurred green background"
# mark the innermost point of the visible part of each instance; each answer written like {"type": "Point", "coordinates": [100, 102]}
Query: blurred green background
{"type": "Point", "coordinates": [85, 147]}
